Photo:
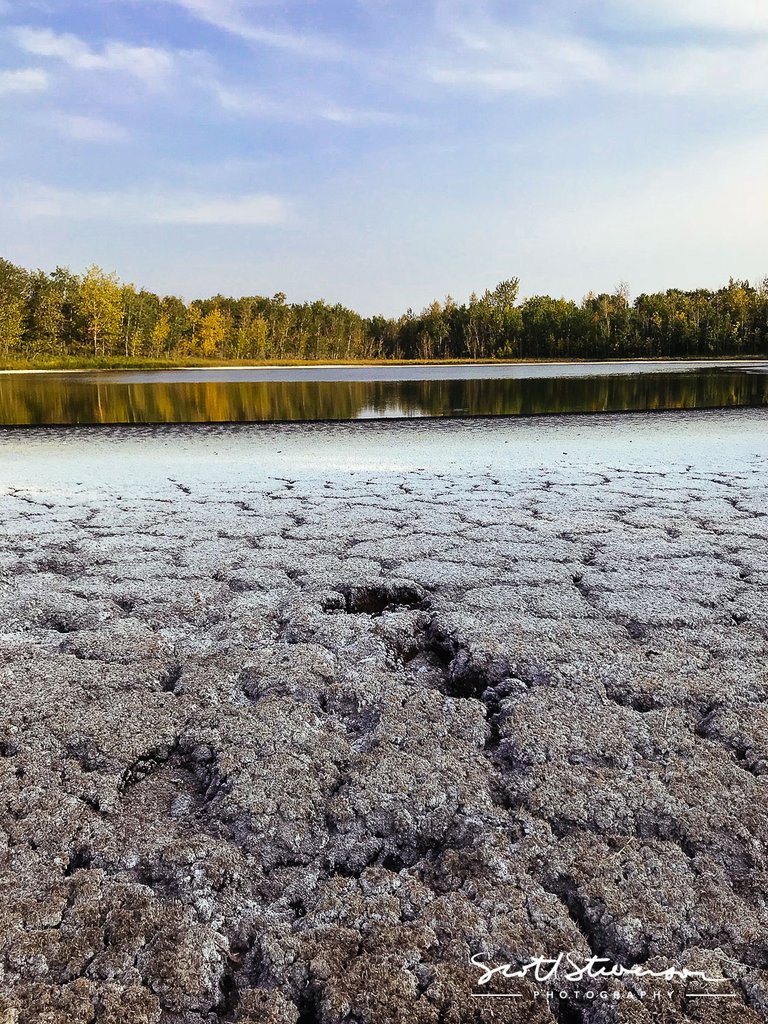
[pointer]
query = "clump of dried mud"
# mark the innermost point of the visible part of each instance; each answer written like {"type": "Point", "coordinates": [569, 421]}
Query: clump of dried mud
{"type": "Point", "coordinates": [294, 756]}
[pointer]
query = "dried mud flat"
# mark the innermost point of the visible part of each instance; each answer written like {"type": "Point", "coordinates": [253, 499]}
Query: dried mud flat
{"type": "Point", "coordinates": [297, 719]}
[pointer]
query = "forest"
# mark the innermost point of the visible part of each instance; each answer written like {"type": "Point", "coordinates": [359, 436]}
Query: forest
{"type": "Point", "coordinates": [47, 318]}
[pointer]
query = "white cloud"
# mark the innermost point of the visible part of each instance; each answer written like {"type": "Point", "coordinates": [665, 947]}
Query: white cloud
{"type": "Point", "coordinates": [147, 207]}
{"type": "Point", "coordinates": [231, 16]}
{"type": "Point", "coordinates": [148, 64]}
{"type": "Point", "coordinates": [23, 80]}
{"type": "Point", "coordinates": [488, 55]}
{"type": "Point", "coordinates": [724, 15]}
{"type": "Point", "coordinates": [80, 128]}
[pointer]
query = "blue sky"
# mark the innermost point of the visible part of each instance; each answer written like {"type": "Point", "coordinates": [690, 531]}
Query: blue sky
{"type": "Point", "coordinates": [382, 153]}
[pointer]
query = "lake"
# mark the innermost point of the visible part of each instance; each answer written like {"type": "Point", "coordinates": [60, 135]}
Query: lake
{"type": "Point", "coordinates": [280, 394]}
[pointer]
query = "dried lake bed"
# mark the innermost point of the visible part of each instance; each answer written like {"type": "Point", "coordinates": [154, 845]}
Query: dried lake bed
{"type": "Point", "coordinates": [299, 718]}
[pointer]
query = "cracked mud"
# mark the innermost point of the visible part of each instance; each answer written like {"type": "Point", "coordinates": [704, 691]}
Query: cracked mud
{"type": "Point", "coordinates": [296, 720]}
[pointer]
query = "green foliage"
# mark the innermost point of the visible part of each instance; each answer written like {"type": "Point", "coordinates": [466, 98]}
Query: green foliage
{"type": "Point", "coordinates": [100, 309]}
{"type": "Point", "coordinates": [61, 316]}
{"type": "Point", "coordinates": [11, 326]}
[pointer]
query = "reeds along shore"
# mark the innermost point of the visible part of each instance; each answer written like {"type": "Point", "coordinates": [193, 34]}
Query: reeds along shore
{"type": "Point", "coordinates": [49, 319]}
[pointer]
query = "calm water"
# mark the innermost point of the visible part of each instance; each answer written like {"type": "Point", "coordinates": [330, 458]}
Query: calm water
{"type": "Point", "coordinates": [348, 393]}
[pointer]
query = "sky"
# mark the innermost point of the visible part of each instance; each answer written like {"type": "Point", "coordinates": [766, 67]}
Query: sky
{"type": "Point", "coordinates": [384, 153]}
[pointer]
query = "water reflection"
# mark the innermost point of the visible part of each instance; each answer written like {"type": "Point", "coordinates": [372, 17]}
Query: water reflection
{"type": "Point", "coordinates": [39, 399]}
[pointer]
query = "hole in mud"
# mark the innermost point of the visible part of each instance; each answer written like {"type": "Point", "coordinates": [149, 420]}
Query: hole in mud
{"type": "Point", "coordinates": [309, 1006]}
{"type": "Point", "coordinates": [229, 996]}
{"type": "Point", "coordinates": [146, 765]}
{"type": "Point", "coordinates": [8, 748]}
{"type": "Point", "coordinates": [566, 1013]}
{"type": "Point", "coordinates": [393, 860]}
{"type": "Point", "coordinates": [379, 598]}
{"type": "Point", "coordinates": [181, 785]}
{"type": "Point", "coordinates": [170, 680]}
{"type": "Point", "coordinates": [703, 726]}
{"type": "Point", "coordinates": [81, 860]}
{"type": "Point", "coordinates": [394, 863]}
{"type": "Point", "coordinates": [439, 660]}
{"type": "Point", "coordinates": [60, 623]}
{"type": "Point", "coordinates": [297, 907]}
{"type": "Point", "coordinates": [636, 701]}
{"type": "Point", "coordinates": [464, 678]}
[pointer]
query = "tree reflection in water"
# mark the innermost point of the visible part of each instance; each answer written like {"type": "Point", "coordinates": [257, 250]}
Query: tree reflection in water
{"type": "Point", "coordinates": [41, 399]}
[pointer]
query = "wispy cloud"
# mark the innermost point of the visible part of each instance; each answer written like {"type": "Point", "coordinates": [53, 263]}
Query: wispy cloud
{"type": "Point", "coordinates": [232, 16]}
{"type": "Point", "coordinates": [356, 116]}
{"type": "Point", "coordinates": [477, 50]}
{"type": "Point", "coordinates": [80, 128]}
{"type": "Point", "coordinates": [721, 15]}
{"type": "Point", "coordinates": [483, 53]}
{"type": "Point", "coordinates": [146, 63]}
{"type": "Point", "coordinates": [522, 60]}
{"type": "Point", "coordinates": [252, 103]}
{"type": "Point", "coordinates": [23, 80]}
{"type": "Point", "coordinates": [147, 207]}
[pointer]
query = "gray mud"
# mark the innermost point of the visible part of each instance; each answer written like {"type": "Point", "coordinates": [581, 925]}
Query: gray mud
{"type": "Point", "coordinates": [298, 719]}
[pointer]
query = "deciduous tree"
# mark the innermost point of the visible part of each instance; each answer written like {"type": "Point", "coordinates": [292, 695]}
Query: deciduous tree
{"type": "Point", "coordinates": [100, 304]}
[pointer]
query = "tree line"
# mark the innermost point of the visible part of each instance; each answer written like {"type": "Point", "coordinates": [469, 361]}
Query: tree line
{"type": "Point", "coordinates": [57, 315]}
